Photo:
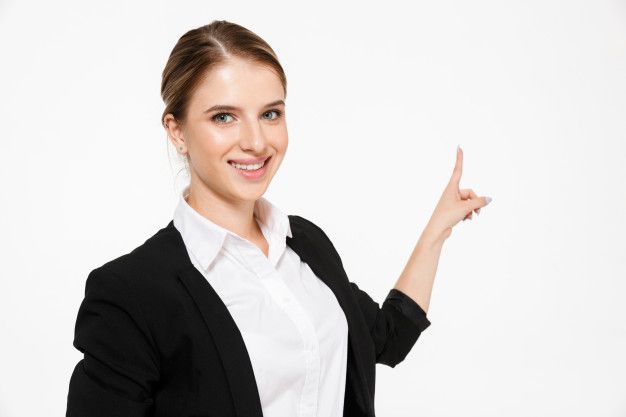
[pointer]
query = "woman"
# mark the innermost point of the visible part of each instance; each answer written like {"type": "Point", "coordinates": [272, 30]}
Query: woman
{"type": "Point", "coordinates": [234, 308]}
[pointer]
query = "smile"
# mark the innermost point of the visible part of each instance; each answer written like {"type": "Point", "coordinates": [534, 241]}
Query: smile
{"type": "Point", "coordinates": [251, 171]}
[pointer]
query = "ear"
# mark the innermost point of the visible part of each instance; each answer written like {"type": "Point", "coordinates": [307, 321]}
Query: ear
{"type": "Point", "coordinates": [174, 131]}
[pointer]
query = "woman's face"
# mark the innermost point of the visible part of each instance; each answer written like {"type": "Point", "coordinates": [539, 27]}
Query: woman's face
{"type": "Point", "coordinates": [252, 126]}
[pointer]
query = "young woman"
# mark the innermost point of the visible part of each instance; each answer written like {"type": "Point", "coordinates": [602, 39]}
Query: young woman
{"type": "Point", "coordinates": [235, 308]}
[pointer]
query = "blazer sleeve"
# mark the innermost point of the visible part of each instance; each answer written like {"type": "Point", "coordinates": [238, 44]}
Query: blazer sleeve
{"type": "Point", "coordinates": [394, 327]}
{"type": "Point", "coordinates": [120, 366]}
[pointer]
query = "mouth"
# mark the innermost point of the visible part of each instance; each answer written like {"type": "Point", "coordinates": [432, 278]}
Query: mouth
{"type": "Point", "coordinates": [250, 164]}
{"type": "Point", "coordinates": [252, 172]}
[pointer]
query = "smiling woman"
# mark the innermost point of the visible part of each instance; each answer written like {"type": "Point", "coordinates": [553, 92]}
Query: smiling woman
{"type": "Point", "coordinates": [234, 308]}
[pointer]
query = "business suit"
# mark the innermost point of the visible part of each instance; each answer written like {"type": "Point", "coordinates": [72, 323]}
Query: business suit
{"type": "Point", "coordinates": [159, 341]}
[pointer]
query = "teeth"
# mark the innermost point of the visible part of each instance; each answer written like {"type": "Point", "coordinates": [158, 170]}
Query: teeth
{"type": "Point", "coordinates": [248, 167]}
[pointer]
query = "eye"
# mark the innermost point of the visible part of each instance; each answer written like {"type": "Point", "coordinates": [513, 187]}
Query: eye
{"type": "Point", "coordinates": [220, 120]}
{"type": "Point", "coordinates": [278, 113]}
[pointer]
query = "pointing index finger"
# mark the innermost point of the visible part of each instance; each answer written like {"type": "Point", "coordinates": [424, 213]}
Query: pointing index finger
{"type": "Point", "coordinates": [458, 166]}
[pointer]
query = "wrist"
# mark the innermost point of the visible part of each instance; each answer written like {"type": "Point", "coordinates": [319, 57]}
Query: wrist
{"type": "Point", "coordinates": [430, 240]}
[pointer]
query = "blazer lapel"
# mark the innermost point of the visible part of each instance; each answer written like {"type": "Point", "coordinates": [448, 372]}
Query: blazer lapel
{"type": "Point", "coordinates": [229, 343]}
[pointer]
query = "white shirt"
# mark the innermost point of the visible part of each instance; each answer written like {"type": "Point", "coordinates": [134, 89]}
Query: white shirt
{"type": "Point", "coordinates": [293, 327]}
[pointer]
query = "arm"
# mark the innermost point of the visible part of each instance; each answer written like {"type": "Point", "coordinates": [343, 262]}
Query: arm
{"type": "Point", "coordinates": [120, 365]}
{"type": "Point", "coordinates": [416, 280]}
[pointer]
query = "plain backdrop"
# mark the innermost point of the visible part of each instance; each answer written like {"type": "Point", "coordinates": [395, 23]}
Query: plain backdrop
{"type": "Point", "coordinates": [528, 313]}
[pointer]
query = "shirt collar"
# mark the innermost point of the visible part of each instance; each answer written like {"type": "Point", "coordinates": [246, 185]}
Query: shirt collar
{"type": "Point", "coordinates": [205, 239]}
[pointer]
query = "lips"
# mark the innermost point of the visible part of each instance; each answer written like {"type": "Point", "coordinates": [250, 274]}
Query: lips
{"type": "Point", "coordinates": [249, 161]}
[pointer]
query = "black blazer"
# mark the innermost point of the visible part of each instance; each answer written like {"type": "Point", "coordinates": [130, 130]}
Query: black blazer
{"type": "Point", "coordinates": [158, 340]}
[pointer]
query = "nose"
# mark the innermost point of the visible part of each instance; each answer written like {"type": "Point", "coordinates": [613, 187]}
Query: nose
{"type": "Point", "coordinates": [252, 136]}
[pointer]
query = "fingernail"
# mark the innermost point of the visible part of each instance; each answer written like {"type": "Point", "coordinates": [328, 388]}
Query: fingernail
{"type": "Point", "coordinates": [458, 147]}
{"type": "Point", "coordinates": [488, 199]}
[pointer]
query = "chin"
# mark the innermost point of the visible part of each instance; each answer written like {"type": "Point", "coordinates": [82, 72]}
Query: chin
{"type": "Point", "coordinates": [250, 192]}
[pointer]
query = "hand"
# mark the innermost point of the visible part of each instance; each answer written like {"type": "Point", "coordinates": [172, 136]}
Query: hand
{"type": "Point", "coordinates": [454, 205]}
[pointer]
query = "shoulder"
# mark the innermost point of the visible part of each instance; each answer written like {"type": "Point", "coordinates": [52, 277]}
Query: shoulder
{"type": "Point", "coordinates": [305, 225]}
{"type": "Point", "coordinates": [302, 225]}
{"type": "Point", "coordinates": [142, 286]}
{"type": "Point", "coordinates": [155, 262]}
{"type": "Point", "coordinates": [314, 232]}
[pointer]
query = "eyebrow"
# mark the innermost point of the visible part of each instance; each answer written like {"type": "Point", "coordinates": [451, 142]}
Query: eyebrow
{"type": "Point", "coordinates": [228, 107]}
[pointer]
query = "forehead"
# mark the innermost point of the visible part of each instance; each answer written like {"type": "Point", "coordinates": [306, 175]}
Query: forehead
{"type": "Point", "coordinates": [238, 82]}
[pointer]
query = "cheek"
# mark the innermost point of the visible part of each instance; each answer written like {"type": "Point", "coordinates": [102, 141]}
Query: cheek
{"type": "Point", "coordinates": [213, 146]}
{"type": "Point", "coordinates": [281, 150]}
{"type": "Point", "coordinates": [206, 159]}
{"type": "Point", "coordinates": [281, 141]}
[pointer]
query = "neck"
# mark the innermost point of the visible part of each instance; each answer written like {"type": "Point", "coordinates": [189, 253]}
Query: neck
{"type": "Point", "coordinates": [235, 216]}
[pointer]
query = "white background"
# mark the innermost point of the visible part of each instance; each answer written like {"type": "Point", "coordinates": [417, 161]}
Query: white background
{"type": "Point", "coordinates": [528, 313]}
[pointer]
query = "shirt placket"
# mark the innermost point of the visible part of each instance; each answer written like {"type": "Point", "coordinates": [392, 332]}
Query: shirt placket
{"type": "Point", "coordinates": [256, 261]}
